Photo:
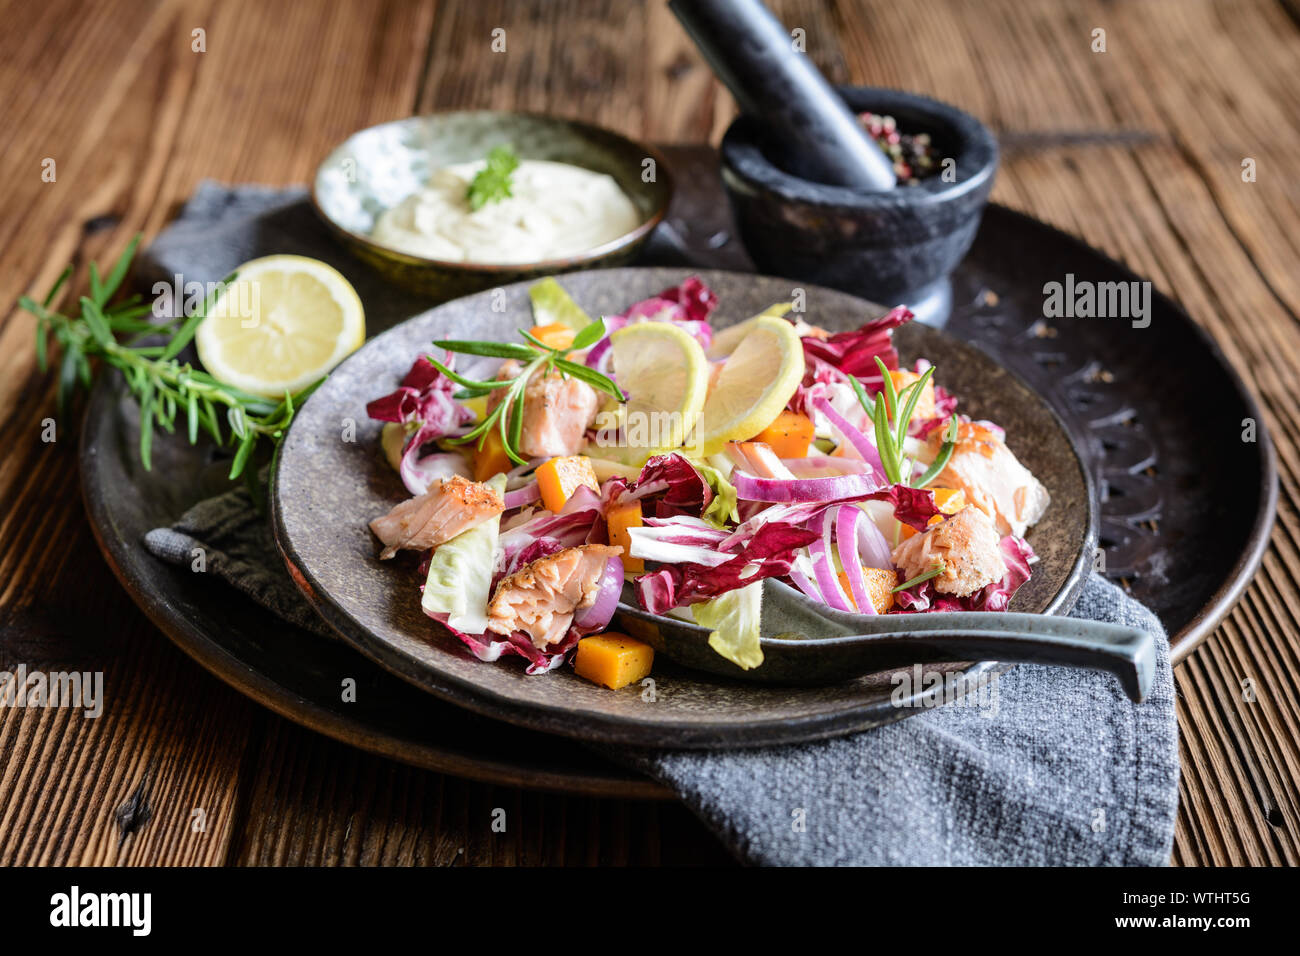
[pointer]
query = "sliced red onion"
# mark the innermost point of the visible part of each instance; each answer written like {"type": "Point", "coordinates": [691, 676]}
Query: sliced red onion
{"type": "Point", "coordinates": [859, 441]}
{"type": "Point", "coordinates": [757, 458]}
{"type": "Point", "coordinates": [836, 488]}
{"type": "Point", "coordinates": [847, 520]}
{"type": "Point", "coordinates": [598, 614]}
{"type": "Point", "coordinates": [584, 498]}
{"type": "Point", "coordinates": [824, 566]}
{"type": "Point", "coordinates": [522, 496]}
{"type": "Point", "coordinates": [873, 546]}
{"type": "Point", "coordinates": [598, 356]}
{"type": "Point", "coordinates": [825, 466]}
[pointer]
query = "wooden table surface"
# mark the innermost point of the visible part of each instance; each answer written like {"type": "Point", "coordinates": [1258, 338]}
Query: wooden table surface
{"type": "Point", "coordinates": [114, 92]}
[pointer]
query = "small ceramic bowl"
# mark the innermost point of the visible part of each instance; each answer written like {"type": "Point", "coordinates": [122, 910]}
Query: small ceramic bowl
{"type": "Point", "coordinates": [378, 167]}
{"type": "Point", "coordinates": [892, 247]}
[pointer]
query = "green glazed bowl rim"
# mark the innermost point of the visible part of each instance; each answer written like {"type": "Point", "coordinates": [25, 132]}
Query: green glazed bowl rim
{"type": "Point", "coordinates": [569, 263]}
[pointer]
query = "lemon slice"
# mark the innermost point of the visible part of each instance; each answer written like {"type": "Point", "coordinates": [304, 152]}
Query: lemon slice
{"type": "Point", "coordinates": [282, 324]}
{"type": "Point", "coordinates": [665, 375]}
{"type": "Point", "coordinates": [755, 383]}
{"type": "Point", "coordinates": [725, 341]}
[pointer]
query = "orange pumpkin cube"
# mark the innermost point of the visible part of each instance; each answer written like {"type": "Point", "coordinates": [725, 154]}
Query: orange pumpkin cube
{"type": "Point", "coordinates": [560, 477]}
{"type": "Point", "coordinates": [789, 435]}
{"type": "Point", "coordinates": [925, 404]}
{"type": "Point", "coordinates": [491, 459]}
{"type": "Point", "coordinates": [557, 335]}
{"type": "Point", "coordinates": [612, 659]}
{"type": "Point", "coordinates": [619, 518]}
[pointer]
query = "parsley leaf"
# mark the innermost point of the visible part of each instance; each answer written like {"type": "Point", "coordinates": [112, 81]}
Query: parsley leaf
{"type": "Point", "coordinates": [492, 183]}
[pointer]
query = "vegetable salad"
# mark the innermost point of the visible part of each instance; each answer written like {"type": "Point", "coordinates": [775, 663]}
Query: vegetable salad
{"type": "Point", "coordinates": [647, 457]}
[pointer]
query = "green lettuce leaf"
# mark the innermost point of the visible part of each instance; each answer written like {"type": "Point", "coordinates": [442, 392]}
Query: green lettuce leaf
{"type": "Point", "coordinates": [552, 304]}
{"type": "Point", "coordinates": [734, 619]}
{"type": "Point", "coordinates": [723, 506]}
{"type": "Point", "coordinates": [460, 573]}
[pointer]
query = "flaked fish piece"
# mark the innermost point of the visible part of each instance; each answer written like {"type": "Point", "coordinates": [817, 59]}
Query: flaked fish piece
{"type": "Point", "coordinates": [450, 506]}
{"type": "Point", "coordinates": [992, 478]}
{"type": "Point", "coordinates": [558, 410]}
{"type": "Point", "coordinates": [968, 544]}
{"type": "Point", "coordinates": [540, 598]}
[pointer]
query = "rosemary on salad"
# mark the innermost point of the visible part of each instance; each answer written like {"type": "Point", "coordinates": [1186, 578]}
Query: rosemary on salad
{"type": "Point", "coordinates": [492, 182]}
{"type": "Point", "coordinates": [165, 387]}
{"type": "Point", "coordinates": [891, 426]}
{"type": "Point", "coordinates": [934, 572]}
{"type": "Point", "coordinates": [508, 415]}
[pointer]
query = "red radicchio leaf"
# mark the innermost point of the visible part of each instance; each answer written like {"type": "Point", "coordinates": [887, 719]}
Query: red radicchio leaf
{"type": "Point", "coordinates": [672, 482]}
{"type": "Point", "coordinates": [515, 558]}
{"type": "Point", "coordinates": [912, 506]}
{"type": "Point", "coordinates": [492, 647]}
{"type": "Point", "coordinates": [697, 299]}
{"type": "Point", "coordinates": [945, 404]}
{"type": "Point", "coordinates": [688, 305]}
{"type": "Point", "coordinates": [854, 353]}
{"type": "Point", "coordinates": [769, 553]}
{"type": "Point", "coordinates": [425, 399]}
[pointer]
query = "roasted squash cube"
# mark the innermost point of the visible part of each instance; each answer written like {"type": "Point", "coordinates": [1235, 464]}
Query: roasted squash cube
{"type": "Point", "coordinates": [557, 335]}
{"type": "Point", "coordinates": [620, 517]}
{"type": "Point", "coordinates": [789, 435]}
{"type": "Point", "coordinates": [491, 459]}
{"type": "Point", "coordinates": [612, 659]}
{"type": "Point", "coordinates": [560, 477]}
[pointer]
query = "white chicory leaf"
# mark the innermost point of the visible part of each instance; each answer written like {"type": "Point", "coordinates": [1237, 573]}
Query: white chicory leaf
{"type": "Point", "coordinates": [460, 573]}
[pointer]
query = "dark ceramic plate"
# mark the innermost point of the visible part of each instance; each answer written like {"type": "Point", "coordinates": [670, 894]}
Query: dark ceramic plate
{"type": "Point", "coordinates": [325, 490]}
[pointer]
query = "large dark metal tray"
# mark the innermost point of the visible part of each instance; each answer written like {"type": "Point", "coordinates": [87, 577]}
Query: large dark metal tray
{"type": "Point", "coordinates": [1182, 526]}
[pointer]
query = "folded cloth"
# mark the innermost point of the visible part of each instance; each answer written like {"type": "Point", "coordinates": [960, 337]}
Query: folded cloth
{"type": "Point", "coordinates": [1048, 766]}
{"type": "Point", "coordinates": [1043, 766]}
{"type": "Point", "coordinates": [235, 540]}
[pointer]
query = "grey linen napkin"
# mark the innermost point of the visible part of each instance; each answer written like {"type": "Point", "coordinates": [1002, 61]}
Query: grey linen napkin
{"type": "Point", "coordinates": [1055, 767]}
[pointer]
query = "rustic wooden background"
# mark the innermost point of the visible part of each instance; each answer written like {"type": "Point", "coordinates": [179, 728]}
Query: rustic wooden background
{"type": "Point", "coordinates": [133, 117]}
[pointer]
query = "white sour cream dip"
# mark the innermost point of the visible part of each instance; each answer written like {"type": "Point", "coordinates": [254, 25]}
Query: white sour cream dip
{"type": "Point", "coordinates": [555, 211]}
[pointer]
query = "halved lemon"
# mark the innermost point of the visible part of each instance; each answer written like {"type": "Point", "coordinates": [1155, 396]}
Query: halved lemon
{"type": "Point", "coordinates": [665, 375]}
{"type": "Point", "coordinates": [284, 322]}
{"type": "Point", "coordinates": [755, 384]}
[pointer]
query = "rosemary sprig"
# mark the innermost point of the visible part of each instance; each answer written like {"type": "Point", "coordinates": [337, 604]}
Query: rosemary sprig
{"type": "Point", "coordinates": [891, 414]}
{"type": "Point", "coordinates": [165, 388]}
{"type": "Point", "coordinates": [508, 415]}
{"type": "Point", "coordinates": [945, 452]}
{"type": "Point", "coordinates": [934, 572]}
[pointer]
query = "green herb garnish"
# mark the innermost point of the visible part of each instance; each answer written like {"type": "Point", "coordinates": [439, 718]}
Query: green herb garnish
{"type": "Point", "coordinates": [508, 415]}
{"type": "Point", "coordinates": [891, 414]}
{"type": "Point", "coordinates": [492, 183]}
{"type": "Point", "coordinates": [164, 387]}
{"type": "Point", "coordinates": [932, 573]}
